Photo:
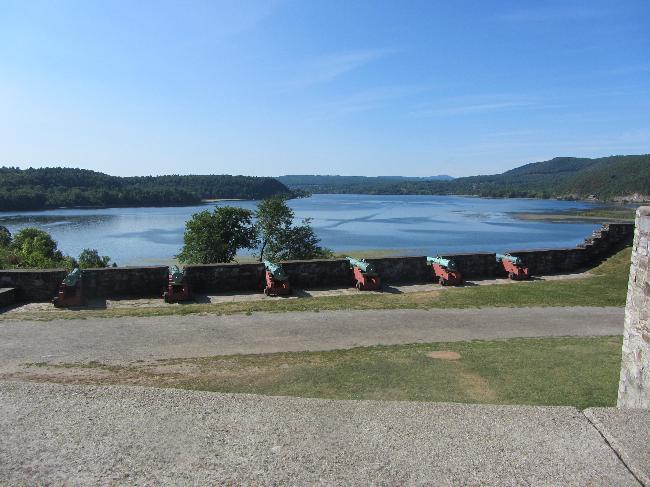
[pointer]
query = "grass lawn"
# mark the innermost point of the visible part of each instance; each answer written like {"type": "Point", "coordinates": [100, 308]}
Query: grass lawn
{"type": "Point", "coordinates": [581, 372]}
{"type": "Point", "coordinates": [607, 286]}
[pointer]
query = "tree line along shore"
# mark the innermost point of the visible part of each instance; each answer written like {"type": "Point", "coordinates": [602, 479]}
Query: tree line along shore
{"type": "Point", "coordinates": [47, 188]}
{"type": "Point", "coordinates": [610, 179]}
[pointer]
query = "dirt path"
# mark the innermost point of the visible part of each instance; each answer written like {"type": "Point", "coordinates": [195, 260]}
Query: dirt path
{"type": "Point", "coordinates": [119, 340]}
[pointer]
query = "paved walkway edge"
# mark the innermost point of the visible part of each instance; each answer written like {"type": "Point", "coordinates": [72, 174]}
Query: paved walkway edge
{"type": "Point", "coordinates": [92, 435]}
{"type": "Point", "coordinates": [618, 449]}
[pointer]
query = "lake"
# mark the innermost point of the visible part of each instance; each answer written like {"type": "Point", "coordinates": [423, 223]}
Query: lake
{"type": "Point", "coordinates": [399, 225]}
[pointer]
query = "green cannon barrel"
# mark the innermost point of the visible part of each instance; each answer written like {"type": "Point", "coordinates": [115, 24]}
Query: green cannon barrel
{"type": "Point", "coordinates": [511, 258]}
{"type": "Point", "coordinates": [276, 270]}
{"type": "Point", "coordinates": [72, 279]}
{"type": "Point", "coordinates": [446, 263]}
{"type": "Point", "coordinates": [366, 267]}
{"type": "Point", "coordinates": [177, 275]}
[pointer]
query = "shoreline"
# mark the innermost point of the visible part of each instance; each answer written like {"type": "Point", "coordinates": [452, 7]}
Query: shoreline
{"type": "Point", "coordinates": [208, 201]}
{"type": "Point", "coordinates": [612, 214]}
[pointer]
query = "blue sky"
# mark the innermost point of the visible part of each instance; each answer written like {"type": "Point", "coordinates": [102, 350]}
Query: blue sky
{"type": "Point", "coordinates": [321, 87]}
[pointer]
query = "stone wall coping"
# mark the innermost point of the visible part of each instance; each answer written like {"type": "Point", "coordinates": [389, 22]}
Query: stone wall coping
{"type": "Point", "coordinates": [225, 264]}
{"type": "Point", "coordinates": [530, 251]}
{"type": "Point", "coordinates": [34, 271]}
{"type": "Point", "coordinates": [126, 267]}
{"type": "Point", "coordinates": [398, 257]}
{"type": "Point", "coordinates": [445, 254]}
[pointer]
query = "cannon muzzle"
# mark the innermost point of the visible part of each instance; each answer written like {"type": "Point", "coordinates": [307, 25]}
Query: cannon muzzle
{"type": "Point", "coordinates": [362, 265]}
{"type": "Point", "coordinates": [511, 258]}
{"type": "Point", "coordinates": [176, 276]}
{"type": "Point", "coordinates": [446, 263]}
{"type": "Point", "coordinates": [275, 270]}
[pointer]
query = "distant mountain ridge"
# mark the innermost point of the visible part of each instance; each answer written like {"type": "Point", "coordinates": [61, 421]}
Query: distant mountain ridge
{"type": "Point", "coordinates": [604, 178]}
{"type": "Point", "coordinates": [319, 183]}
{"type": "Point", "coordinates": [55, 187]}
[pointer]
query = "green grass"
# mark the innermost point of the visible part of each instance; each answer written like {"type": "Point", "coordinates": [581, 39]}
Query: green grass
{"type": "Point", "coordinates": [581, 372]}
{"type": "Point", "coordinates": [607, 286]}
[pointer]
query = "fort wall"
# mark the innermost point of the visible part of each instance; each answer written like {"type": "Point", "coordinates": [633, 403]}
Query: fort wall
{"type": "Point", "coordinates": [150, 281]}
{"type": "Point", "coordinates": [634, 384]}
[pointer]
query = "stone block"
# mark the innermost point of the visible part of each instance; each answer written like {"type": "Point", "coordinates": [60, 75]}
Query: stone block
{"type": "Point", "coordinates": [634, 384]}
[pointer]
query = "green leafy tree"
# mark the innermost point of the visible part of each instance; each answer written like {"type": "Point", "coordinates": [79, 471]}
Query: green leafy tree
{"type": "Point", "coordinates": [301, 243]}
{"type": "Point", "coordinates": [9, 259]}
{"type": "Point", "coordinates": [90, 258]}
{"type": "Point", "coordinates": [279, 238]}
{"type": "Point", "coordinates": [5, 237]}
{"type": "Point", "coordinates": [36, 248]}
{"type": "Point", "coordinates": [273, 217]}
{"type": "Point", "coordinates": [217, 236]}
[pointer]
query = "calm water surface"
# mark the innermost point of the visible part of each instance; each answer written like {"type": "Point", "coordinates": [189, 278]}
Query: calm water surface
{"type": "Point", "coordinates": [410, 225]}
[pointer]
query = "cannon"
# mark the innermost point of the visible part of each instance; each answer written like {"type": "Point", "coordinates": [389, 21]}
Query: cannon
{"type": "Point", "coordinates": [365, 275]}
{"type": "Point", "coordinates": [277, 282]}
{"type": "Point", "coordinates": [70, 291]}
{"type": "Point", "coordinates": [513, 266]}
{"type": "Point", "coordinates": [444, 271]}
{"type": "Point", "coordinates": [177, 288]}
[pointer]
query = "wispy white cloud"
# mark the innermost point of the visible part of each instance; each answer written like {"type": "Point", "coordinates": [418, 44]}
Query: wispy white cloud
{"type": "Point", "coordinates": [371, 99]}
{"type": "Point", "coordinates": [330, 67]}
{"type": "Point", "coordinates": [476, 104]}
{"type": "Point", "coordinates": [548, 13]}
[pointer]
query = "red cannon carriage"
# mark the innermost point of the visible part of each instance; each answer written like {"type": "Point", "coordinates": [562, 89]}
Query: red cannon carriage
{"type": "Point", "coordinates": [513, 266]}
{"type": "Point", "coordinates": [70, 291]}
{"type": "Point", "coordinates": [277, 282]}
{"type": "Point", "coordinates": [177, 288]}
{"type": "Point", "coordinates": [444, 271]}
{"type": "Point", "coordinates": [365, 275]}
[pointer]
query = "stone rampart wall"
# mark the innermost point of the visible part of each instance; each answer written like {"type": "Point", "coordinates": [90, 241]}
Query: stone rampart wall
{"type": "Point", "coordinates": [217, 278]}
{"type": "Point", "coordinates": [119, 282]}
{"type": "Point", "coordinates": [41, 285]}
{"type": "Point", "coordinates": [634, 384]}
{"type": "Point", "coordinates": [33, 285]}
{"type": "Point", "coordinates": [319, 273]}
{"type": "Point", "coordinates": [475, 266]}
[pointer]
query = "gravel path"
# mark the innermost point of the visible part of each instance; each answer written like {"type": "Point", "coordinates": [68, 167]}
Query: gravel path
{"type": "Point", "coordinates": [86, 435]}
{"type": "Point", "coordinates": [127, 339]}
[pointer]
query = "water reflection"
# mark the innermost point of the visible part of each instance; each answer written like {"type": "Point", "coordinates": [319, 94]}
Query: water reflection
{"type": "Point", "coordinates": [412, 225]}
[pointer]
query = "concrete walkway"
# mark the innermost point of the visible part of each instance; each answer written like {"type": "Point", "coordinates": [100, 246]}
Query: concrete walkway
{"type": "Point", "coordinates": [126, 339]}
{"type": "Point", "coordinates": [85, 435]}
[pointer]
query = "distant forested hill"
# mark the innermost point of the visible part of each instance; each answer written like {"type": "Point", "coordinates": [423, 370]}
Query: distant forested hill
{"type": "Point", "coordinates": [36, 189]}
{"type": "Point", "coordinates": [606, 178]}
{"type": "Point", "coordinates": [349, 184]}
